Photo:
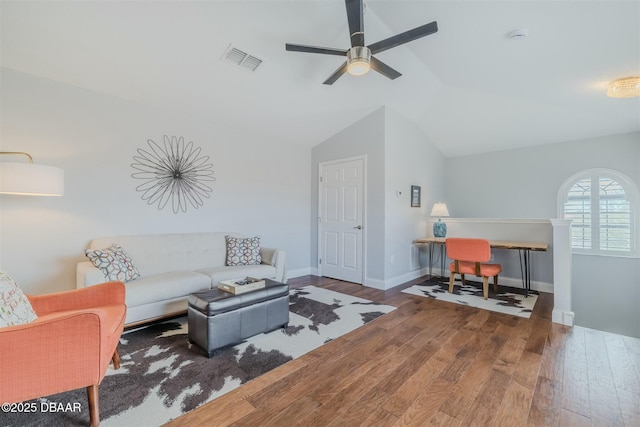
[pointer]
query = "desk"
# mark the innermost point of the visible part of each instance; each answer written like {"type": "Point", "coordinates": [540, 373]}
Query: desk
{"type": "Point", "coordinates": [524, 254]}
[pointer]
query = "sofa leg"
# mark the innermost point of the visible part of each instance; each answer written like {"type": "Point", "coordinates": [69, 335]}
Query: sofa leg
{"type": "Point", "coordinates": [94, 407]}
{"type": "Point", "coordinates": [116, 359]}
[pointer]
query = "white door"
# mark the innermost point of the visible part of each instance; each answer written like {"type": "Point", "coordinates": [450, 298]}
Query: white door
{"type": "Point", "coordinates": [341, 224]}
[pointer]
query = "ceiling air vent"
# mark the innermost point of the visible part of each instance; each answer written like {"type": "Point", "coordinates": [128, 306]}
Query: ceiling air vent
{"type": "Point", "coordinates": [242, 59]}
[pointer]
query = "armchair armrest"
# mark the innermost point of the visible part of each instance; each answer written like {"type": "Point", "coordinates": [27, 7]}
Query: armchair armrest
{"type": "Point", "coordinates": [276, 258]}
{"type": "Point", "coordinates": [105, 294]}
{"type": "Point", "coordinates": [55, 353]}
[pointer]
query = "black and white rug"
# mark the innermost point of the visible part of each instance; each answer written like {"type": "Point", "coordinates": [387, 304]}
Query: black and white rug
{"type": "Point", "coordinates": [163, 376]}
{"type": "Point", "coordinates": [507, 300]}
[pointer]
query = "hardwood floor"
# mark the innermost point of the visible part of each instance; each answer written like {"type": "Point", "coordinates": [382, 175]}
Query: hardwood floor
{"type": "Point", "coordinates": [435, 363]}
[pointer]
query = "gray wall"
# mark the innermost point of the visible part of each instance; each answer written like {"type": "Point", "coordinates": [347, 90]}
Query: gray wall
{"type": "Point", "coordinates": [524, 183]}
{"type": "Point", "coordinates": [365, 137]}
{"type": "Point", "coordinates": [410, 159]}
{"type": "Point", "coordinates": [398, 155]}
{"type": "Point", "coordinates": [261, 187]}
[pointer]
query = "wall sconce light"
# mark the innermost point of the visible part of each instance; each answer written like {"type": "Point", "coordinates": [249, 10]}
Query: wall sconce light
{"type": "Point", "coordinates": [439, 227]}
{"type": "Point", "coordinates": [30, 179]}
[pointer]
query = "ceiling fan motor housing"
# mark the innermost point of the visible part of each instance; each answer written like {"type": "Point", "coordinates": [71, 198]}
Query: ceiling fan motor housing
{"type": "Point", "coordinates": [358, 60]}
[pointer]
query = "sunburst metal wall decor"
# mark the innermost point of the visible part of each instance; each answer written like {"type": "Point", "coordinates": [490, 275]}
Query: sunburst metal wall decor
{"type": "Point", "coordinates": [176, 172]}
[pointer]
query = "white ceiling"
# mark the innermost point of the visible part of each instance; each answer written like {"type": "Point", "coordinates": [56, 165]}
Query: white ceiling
{"type": "Point", "coordinates": [469, 87]}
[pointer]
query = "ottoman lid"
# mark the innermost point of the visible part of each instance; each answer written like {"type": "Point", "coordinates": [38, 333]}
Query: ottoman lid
{"type": "Point", "coordinates": [216, 301]}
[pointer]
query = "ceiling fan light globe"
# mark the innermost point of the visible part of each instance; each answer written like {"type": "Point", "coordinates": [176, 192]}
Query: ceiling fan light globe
{"type": "Point", "coordinates": [358, 60]}
{"type": "Point", "coordinates": [358, 68]}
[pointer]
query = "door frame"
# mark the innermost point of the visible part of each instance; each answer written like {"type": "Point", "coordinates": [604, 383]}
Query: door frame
{"type": "Point", "coordinates": [362, 157]}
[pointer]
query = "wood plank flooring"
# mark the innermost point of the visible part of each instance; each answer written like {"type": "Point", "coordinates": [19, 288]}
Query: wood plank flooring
{"type": "Point", "coordinates": [434, 363]}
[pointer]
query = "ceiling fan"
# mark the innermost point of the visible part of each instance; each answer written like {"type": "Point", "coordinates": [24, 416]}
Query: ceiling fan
{"type": "Point", "coordinates": [360, 58]}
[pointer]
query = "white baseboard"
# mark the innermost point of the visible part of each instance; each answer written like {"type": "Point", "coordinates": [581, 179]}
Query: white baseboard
{"type": "Point", "coordinates": [302, 272]}
{"type": "Point", "coordinates": [563, 317]}
{"type": "Point", "coordinates": [513, 282]}
{"type": "Point", "coordinates": [369, 282]}
{"type": "Point", "coordinates": [374, 283]}
{"type": "Point", "coordinates": [395, 281]}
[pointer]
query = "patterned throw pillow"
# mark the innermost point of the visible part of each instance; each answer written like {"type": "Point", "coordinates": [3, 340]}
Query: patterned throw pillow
{"type": "Point", "coordinates": [15, 308]}
{"type": "Point", "coordinates": [243, 251]}
{"type": "Point", "coordinates": [114, 263]}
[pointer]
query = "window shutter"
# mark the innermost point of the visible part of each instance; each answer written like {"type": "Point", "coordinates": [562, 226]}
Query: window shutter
{"type": "Point", "coordinates": [615, 216]}
{"type": "Point", "coordinates": [601, 205]}
{"type": "Point", "coordinates": [577, 208]}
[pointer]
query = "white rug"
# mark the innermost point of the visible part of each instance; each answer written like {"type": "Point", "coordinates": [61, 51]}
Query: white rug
{"type": "Point", "coordinates": [507, 300]}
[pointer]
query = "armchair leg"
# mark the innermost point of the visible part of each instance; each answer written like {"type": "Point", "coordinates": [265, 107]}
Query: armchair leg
{"type": "Point", "coordinates": [116, 359]}
{"type": "Point", "coordinates": [485, 286]}
{"type": "Point", "coordinates": [94, 407]}
{"type": "Point", "coordinates": [495, 283]}
{"type": "Point", "coordinates": [452, 278]}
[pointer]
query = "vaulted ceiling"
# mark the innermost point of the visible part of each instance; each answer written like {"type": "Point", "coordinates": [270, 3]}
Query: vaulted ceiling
{"type": "Point", "coordinates": [470, 87]}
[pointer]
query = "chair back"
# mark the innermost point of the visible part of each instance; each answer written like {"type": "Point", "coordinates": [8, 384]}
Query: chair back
{"type": "Point", "coordinates": [464, 249]}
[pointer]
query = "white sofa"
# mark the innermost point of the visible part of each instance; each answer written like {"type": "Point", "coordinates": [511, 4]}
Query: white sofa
{"type": "Point", "coordinates": [172, 266]}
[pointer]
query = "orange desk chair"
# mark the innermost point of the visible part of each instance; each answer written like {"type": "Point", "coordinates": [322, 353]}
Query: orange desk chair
{"type": "Point", "coordinates": [469, 257]}
{"type": "Point", "coordinates": [68, 346]}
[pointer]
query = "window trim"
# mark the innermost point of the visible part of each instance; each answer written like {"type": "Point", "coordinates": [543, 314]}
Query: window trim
{"type": "Point", "coordinates": [631, 191]}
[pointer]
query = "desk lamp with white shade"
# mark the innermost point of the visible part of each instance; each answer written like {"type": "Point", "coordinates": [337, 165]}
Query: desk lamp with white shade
{"type": "Point", "coordinates": [439, 227]}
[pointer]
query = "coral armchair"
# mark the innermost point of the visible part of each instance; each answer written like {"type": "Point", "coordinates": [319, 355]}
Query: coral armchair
{"type": "Point", "coordinates": [69, 345]}
{"type": "Point", "coordinates": [469, 257]}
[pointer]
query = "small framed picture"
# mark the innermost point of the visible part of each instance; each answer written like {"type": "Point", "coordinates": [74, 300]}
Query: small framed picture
{"type": "Point", "coordinates": [415, 196]}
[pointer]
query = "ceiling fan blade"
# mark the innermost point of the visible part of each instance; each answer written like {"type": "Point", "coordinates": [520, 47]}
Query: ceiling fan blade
{"type": "Point", "coordinates": [384, 69]}
{"type": "Point", "coordinates": [355, 16]}
{"type": "Point", "coordinates": [403, 38]}
{"type": "Point", "coordinates": [336, 75]}
{"type": "Point", "coordinates": [315, 49]}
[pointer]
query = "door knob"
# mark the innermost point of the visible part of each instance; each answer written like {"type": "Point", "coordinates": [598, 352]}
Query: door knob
{"type": "Point", "coordinates": [359, 227]}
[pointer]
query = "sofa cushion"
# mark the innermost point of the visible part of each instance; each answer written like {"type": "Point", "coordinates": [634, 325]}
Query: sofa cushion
{"type": "Point", "coordinates": [165, 286]}
{"type": "Point", "coordinates": [15, 308]}
{"type": "Point", "coordinates": [243, 251]}
{"type": "Point", "coordinates": [261, 271]}
{"type": "Point", "coordinates": [114, 262]}
{"type": "Point", "coordinates": [155, 253]}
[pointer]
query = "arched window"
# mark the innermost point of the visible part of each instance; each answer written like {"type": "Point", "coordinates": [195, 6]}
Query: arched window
{"type": "Point", "coordinates": [603, 207]}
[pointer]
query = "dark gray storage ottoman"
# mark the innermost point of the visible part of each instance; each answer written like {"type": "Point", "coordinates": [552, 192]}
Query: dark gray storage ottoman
{"type": "Point", "coordinates": [218, 318]}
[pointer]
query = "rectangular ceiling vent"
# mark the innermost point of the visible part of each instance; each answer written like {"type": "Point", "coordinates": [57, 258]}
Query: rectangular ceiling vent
{"type": "Point", "coordinates": [242, 58]}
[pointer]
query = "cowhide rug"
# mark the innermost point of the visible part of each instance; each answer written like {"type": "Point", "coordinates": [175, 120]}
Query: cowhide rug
{"type": "Point", "coordinates": [163, 376]}
{"type": "Point", "coordinates": [507, 300]}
